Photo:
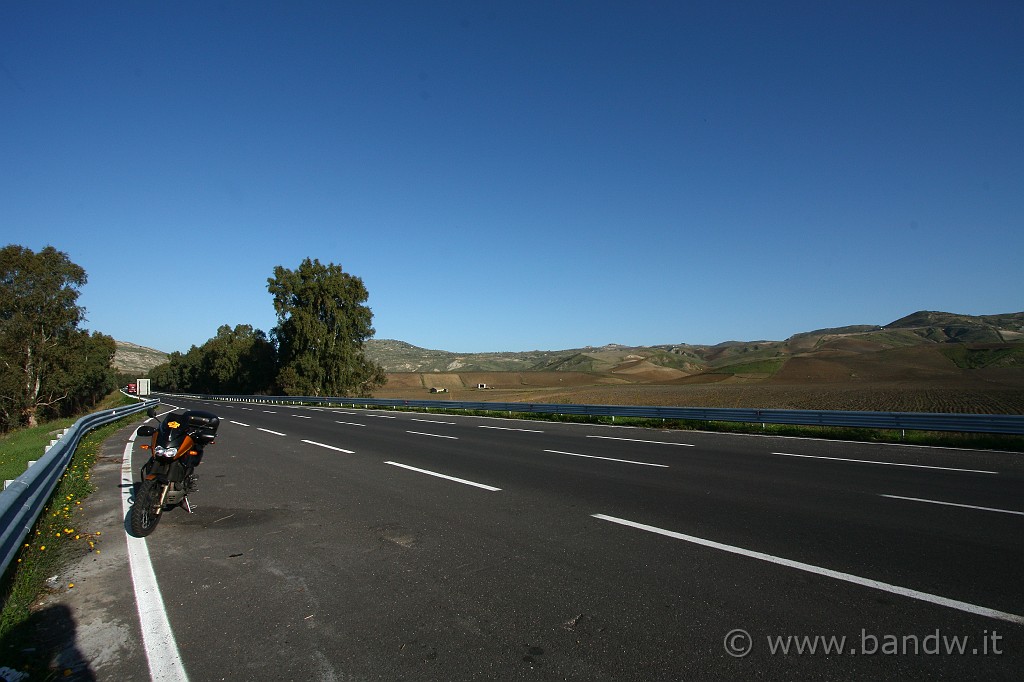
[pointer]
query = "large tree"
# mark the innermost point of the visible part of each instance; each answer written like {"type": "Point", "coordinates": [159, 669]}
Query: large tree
{"type": "Point", "coordinates": [323, 324]}
{"type": "Point", "coordinates": [39, 317]}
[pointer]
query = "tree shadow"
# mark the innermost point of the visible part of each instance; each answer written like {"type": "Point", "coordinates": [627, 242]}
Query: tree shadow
{"type": "Point", "coordinates": [45, 646]}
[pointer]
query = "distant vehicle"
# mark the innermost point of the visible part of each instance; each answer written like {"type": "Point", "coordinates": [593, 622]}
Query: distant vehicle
{"type": "Point", "coordinates": [435, 389]}
{"type": "Point", "coordinates": [482, 386]}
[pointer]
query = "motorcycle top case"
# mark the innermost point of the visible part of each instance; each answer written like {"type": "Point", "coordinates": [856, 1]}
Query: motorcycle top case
{"type": "Point", "coordinates": [206, 422]}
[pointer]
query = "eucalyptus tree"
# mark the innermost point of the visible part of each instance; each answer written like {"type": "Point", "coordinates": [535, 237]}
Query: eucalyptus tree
{"type": "Point", "coordinates": [46, 363]}
{"type": "Point", "coordinates": [323, 324]}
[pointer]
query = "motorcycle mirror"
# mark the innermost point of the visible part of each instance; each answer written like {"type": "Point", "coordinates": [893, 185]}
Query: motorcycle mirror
{"type": "Point", "coordinates": [146, 431]}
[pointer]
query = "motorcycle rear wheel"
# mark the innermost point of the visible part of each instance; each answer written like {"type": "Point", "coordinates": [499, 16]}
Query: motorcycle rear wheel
{"type": "Point", "coordinates": [144, 516]}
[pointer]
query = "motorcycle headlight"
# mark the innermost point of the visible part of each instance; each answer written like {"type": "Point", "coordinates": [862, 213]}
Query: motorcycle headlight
{"type": "Point", "coordinates": [161, 451]}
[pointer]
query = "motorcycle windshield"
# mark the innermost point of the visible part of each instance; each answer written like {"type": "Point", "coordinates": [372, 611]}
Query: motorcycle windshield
{"type": "Point", "coordinates": [172, 432]}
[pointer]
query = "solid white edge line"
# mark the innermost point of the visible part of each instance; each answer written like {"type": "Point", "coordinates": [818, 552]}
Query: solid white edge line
{"type": "Point", "coordinates": [636, 440]}
{"type": "Point", "coordinates": [892, 464]}
{"type": "Point", "coordinates": [826, 572]}
{"type": "Point", "coordinates": [432, 435]}
{"type": "Point", "coordinates": [276, 433]}
{"type": "Point", "coordinates": [444, 476]}
{"type": "Point", "coordinates": [608, 459]}
{"type": "Point", "coordinates": [158, 641]}
{"type": "Point", "coordinates": [329, 447]}
{"type": "Point", "coordinates": [953, 504]}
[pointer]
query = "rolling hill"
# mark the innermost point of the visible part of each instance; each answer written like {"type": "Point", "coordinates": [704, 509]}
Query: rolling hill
{"type": "Point", "coordinates": [947, 334]}
{"type": "Point", "coordinates": [134, 359]}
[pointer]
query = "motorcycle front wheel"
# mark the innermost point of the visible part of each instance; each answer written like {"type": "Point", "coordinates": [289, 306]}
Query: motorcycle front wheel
{"type": "Point", "coordinates": [144, 516]}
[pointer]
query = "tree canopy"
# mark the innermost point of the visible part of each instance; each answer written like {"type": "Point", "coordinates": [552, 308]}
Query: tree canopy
{"type": "Point", "coordinates": [47, 364]}
{"type": "Point", "coordinates": [323, 324]}
{"type": "Point", "coordinates": [235, 361]}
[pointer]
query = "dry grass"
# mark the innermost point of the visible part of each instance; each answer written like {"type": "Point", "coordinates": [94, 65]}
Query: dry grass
{"type": "Point", "coordinates": [980, 395]}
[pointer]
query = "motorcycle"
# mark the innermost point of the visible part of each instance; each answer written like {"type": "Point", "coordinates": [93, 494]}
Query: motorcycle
{"type": "Point", "coordinates": [176, 448]}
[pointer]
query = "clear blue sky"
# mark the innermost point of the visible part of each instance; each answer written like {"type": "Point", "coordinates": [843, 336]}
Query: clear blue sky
{"type": "Point", "coordinates": [521, 175]}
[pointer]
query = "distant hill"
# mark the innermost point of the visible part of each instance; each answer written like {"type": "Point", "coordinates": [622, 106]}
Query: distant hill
{"type": "Point", "coordinates": [133, 359]}
{"type": "Point", "coordinates": [950, 337]}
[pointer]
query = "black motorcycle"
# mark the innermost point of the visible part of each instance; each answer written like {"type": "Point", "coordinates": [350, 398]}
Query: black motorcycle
{"type": "Point", "coordinates": [176, 448]}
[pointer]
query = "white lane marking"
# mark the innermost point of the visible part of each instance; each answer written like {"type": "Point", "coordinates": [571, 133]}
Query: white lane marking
{"type": "Point", "coordinates": [446, 477]}
{"type": "Point", "coordinates": [636, 440]}
{"type": "Point", "coordinates": [505, 428]}
{"type": "Point", "coordinates": [157, 636]}
{"type": "Point", "coordinates": [349, 423]}
{"type": "Point", "coordinates": [432, 421]}
{"type": "Point", "coordinates": [382, 416]}
{"type": "Point", "coordinates": [302, 416]}
{"type": "Point", "coordinates": [827, 572]}
{"type": "Point", "coordinates": [246, 408]}
{"type": "Point", "coordinates": [609, 459]}
{"type": "Point", "coordinates": [892, 464]}
{"type": "Point", "coordinates": [269, 412]}
{"type": "Point", "coordinates": [329, 447]}
{"type": "Point", "coordinates": [954, 504]}
{"type": "Point", "coordinates": [432, 435]}
{"type": "Point", "coordinates": [239, 423]}
{"type": "Point", "coordinates": [276, 433]}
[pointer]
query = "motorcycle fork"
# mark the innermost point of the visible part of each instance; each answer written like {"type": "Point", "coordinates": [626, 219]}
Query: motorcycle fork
{"type": "Point", "coordinates": [163, 496]}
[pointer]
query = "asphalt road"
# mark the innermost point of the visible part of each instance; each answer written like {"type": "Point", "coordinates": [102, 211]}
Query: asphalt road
{"type": "Point", "coordinates": [365, 544]}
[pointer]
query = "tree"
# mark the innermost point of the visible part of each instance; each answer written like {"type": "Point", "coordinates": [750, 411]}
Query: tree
{"type": "Point", "coordinates": [39, 316]}
{"type": "Point", "coordinates": [323, 324]}
{"type": "Point", "coordinates": [239, 361]}
{"type": "Point", "coordinates": [86, 373]}
{"type": "Point", "coordinates": [235, 361]}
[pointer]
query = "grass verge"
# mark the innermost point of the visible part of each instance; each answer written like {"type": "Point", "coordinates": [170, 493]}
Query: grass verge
{"type": "Point", "coordinates": [54, 541]}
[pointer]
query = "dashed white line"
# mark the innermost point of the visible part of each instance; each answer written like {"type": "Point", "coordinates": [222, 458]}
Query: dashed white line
{"type": "Point", "coordinates": [329, 447]}
{"type": "Point", "coordinates": [954, 504]}
{"type": "Point", "coordinates": [269, 412]}
{"type": "Point", "coordinates": [239, 423]}
{"type": "Point", "coordinates": [444, 476]}
{"type": "Point", "coordinates": [302, 416]}
{"type": "Point", "coordinates": [349, 423]}
{"type": "Point", "coordinates": [381, 416]}
{"type": "Point", "coordinates": [506, 428]}
{"type": "Point", "coordinates": [892, 464]}
{"type": "Point", "coordinates": [432, 421]}
{"type": "Point", "coordinates": [636, 440]}
{"type": "Point", "coordinates": [608, 459]}
{"type": "Point", "coordinates": [432, 435]}
{"type": "Point", "coordinates": [827, 572]}
{"type": "Point", "coordinates": [276, 433]}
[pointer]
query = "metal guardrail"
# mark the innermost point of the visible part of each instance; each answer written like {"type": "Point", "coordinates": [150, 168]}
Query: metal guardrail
{"type": "Point", "coordinates": [23, 500]}
{"type": "Point", "coordinates": [1012, 424]}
